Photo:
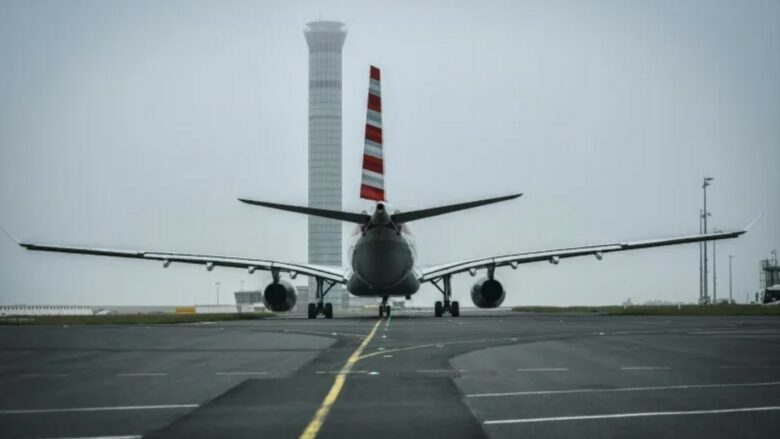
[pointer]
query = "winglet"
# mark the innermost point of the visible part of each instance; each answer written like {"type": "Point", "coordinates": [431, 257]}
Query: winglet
{"type": "Point", "coordinates": [753, 222]}
{"type": "Point", "coordinates": [11, 235]}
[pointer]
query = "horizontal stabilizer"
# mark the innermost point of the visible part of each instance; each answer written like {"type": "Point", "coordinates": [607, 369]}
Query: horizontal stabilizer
{"type": "Point", "coordinates": [349, 217]}
{"type": "Point", "coordinates": [405, 217]}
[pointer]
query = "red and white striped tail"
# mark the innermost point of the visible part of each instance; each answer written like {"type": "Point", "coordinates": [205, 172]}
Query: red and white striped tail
{"type": "Point", "coordinates": [372, 185]}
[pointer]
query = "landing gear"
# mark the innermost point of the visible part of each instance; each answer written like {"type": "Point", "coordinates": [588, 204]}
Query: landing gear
{"type": "Point", "coordinates": [439, 308]}
{"type": "Point", "coordinates": [326, 309]}
{"type": "Point", "coordinates": [384, 308]}
{"type": "Point", "coordinates": [312, 311]}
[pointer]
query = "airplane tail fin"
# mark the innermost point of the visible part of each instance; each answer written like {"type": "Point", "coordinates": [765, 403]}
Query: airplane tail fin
{"type": "Point", "coordinates": [372, 184]}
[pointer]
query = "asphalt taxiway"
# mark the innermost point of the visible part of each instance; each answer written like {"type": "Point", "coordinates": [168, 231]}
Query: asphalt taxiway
{"type": "Point", "coordinates": [486, 374]}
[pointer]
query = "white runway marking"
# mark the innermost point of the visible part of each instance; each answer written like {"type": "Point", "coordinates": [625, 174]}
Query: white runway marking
{"type": "Point", "coordinates": [44, 375]}
{"type": "Point", "coordinates": [645, 368]}
{"type": "Point", "coordinates": [338, 372]}
{"type": "Point", "coordinates": [142, 374]}
{"type": "Point", "coordinates": [324, 333]}
{"type": "Point", "coordinates": [624, 389]}
{"type": "Point", "coordinates": [133, 436]}
{"type": "Point", "coordinates": [632, 415]}
{"type": "Point", "coordinates": [735, 334]}
{"type": "Point", "coordinates": [242, 373]}
{"type": "Point", "coordinates": [441, 345]}
{"type": "Point", "coordinates": [544, 369]}
{"type": "Point", "coordinates": [739, 366]}
{"type": "Point", "coordinates": [98, 409]}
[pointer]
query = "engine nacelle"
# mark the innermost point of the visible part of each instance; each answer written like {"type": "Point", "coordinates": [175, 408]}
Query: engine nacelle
{"type": "Point", "coordinates": [487, 293]}
{"type": "Point", "coordinates": [280, 296]}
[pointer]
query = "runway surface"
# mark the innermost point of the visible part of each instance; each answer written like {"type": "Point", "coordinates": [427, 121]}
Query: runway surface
{"type": "Point", "coordinates": [486, 374]}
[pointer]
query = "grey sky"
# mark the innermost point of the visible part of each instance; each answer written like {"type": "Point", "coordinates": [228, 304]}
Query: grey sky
{"type": "Point", "coordinates": [137, 124]}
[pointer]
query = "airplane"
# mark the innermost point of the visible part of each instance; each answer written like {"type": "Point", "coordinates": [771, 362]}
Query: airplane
{"type": "Point", "coordinates": [382, 254]}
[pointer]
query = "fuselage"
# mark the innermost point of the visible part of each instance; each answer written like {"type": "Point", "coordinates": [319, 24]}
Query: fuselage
{"type": "Point", "coordinates": [382, 257]}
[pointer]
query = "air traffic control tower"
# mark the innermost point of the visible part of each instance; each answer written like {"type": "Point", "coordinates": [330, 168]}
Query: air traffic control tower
{"type": "Point", "coordinates": [325, 40]}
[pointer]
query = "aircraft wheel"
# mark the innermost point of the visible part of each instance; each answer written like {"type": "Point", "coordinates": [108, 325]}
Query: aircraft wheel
{"type": "Point", "coordinates": [381, 310]}
{"type": "Point", "coordinates": [312, 311]}
{"type": "Point", "coordinates": [438, 310]}
{"type": "Point", "coordinates": [455, 309]}
{"type": "Point", "coordinates": [328, 310]}
{"type": "Point", "coordinates": [387, 310]}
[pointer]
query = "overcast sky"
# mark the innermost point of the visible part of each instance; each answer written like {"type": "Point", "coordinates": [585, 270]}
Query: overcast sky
{"type": "Point", "coordinates": [136, 124]}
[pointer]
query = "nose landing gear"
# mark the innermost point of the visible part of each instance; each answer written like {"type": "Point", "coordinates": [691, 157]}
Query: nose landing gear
{"type": "Point", "coordinates": [447, 306]}
{"type": "Point", "coordinates": [384, 308]}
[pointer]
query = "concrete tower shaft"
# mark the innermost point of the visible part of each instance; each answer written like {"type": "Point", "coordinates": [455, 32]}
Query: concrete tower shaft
{"type": "Point", "coordinates": [325, 40]}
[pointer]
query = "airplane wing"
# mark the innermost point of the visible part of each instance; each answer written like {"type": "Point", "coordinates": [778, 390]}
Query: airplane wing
{"type": "Point", "coordinates": [553, 256]}
{"type": "Point", "coordinates": [335, 274]}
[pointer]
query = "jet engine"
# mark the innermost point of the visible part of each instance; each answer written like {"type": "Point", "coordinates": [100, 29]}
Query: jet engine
{"type": "Point", "coordinates": [280, 296]}
{"type": "Point", "coordinates": [488, 293]}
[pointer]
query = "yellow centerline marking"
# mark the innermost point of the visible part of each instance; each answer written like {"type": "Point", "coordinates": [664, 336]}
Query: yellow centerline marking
{"type": "Point", "coordinates": [319, 417]}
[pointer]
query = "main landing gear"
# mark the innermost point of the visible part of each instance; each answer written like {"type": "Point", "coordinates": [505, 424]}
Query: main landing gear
{"type": "Point", "coordinates": [384, 308]}
{"type": "Point", "coordinates": [439, 308]}
{"type": "Point", "coordinates": [316, 309]}
{"type": "Point", "coordinates": [321, 308]}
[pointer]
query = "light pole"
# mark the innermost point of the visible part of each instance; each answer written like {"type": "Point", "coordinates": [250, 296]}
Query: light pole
{"type": "Point", "coordinates": [731, 299]}
{"type": "Point", "coordinates": [714, 269]}
{"type": "Point", "coordinates": [704, 185]}
{"type": "Point", "coordinates": [701, 256]}
{"type": "Point", "coordinates": [217, 293]}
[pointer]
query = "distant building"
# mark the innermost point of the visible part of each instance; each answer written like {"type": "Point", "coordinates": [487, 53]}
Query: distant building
{"type": "Point", "coordinates": [303, 295]}
{"type": "Point", "coordinates": [325, 40]}
{"type": "Point", "coordinates": [770, 281]}
{"type": "Point", "coordinates": [248, 297]}
{"type": "Point", "coordinates": [249, 301]}
{"type": "Point", "coordinates": [218, 309]}
{"type": "Point", "coordinates": [45, 310]}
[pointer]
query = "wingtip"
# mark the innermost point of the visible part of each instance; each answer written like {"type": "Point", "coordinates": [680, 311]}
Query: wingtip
{"type": "Point", "coordinates": [10, 235]}
{"type": "Point", "coordinates": [752, 223]}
